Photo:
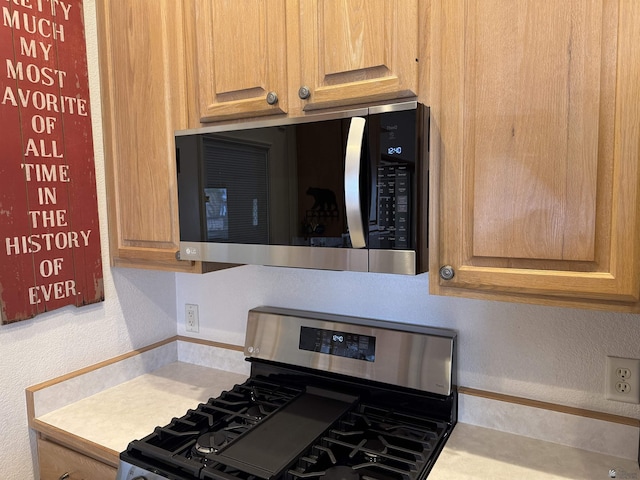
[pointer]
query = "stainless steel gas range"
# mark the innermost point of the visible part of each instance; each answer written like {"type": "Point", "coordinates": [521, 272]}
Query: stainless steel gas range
{"type": "Point", "coordinates": [329, 397]}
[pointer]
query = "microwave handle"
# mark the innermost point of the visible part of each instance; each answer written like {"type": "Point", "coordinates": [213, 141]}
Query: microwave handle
{"type": "Point", "coordinates": [352, 182]}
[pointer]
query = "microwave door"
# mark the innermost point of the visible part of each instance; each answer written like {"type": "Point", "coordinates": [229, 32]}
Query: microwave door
{"type": "Point", "coordinates": [352, 182]}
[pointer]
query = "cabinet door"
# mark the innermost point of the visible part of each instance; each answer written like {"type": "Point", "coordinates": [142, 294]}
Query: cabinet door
{"type": "Point", "coordinates": [56, 461]}
{"type": "Point", "coordinates": [144, 102]}
{"type": "Point", "coordinates": [357, 50]}
{"type": "Point", "coordinates": [535, 149]}
{"type": "Point", "coordinates": [240, 58]}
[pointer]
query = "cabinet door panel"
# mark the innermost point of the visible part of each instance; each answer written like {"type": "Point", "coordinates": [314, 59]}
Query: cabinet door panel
{"type": "Point", "coordinates": [56, 461]}
{"type": "Point", "coordinates": [531, 71]}
{"type": "Point", "coordinates": [358, 50]}
{"type": "Point", "coordinates": [144, 102]}
{"type": "Point", "coordinates": [240, 57]}
{"type": "Point", "coordinates": [535, 147]}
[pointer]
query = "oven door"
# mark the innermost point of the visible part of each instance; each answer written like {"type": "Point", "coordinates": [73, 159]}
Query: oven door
{"type": "Point", "coordinates": [126, 471]}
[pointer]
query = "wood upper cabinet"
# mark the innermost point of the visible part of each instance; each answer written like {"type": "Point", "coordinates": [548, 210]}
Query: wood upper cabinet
{"type": "Point", "coordinates": [144, 99]}
{"type": "Point", "coordinates": [242, 52]}
{"type": "Point", "coordinates": [535, 143]}
{"type": "Point", "coordinates": [240, 57]}
{"type": "Point", "coordinates": [352, 51]}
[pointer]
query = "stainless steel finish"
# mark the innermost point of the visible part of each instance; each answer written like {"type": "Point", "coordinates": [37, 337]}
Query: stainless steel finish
{"type": "Point", "coordinates": [393, 107]}
{"type": "Point", "coordinates": [392, 261]}
{"type": "Point", "coordinates": [324, 258]}
{"type": "Point", "coordinates": [304, 92]}
{"type": "Point", "coordinates": [447, 272]}
{"type": "Point", "coordinates": [276, 122]}
{"type": "Point", "coordinates": [313, 117]}
{"type": "Point", "coordinates": [379, 261]}
{"type": "Point", "coordinates": [126, 471]}
{"type": "Point", "coordinates": [352, 182]}
{"type": "Point", "coordinates": [406, 355]}
{"type": "Point", "coordinates": [272, 98]}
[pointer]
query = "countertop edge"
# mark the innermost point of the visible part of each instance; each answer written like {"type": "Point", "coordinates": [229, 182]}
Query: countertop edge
{"type": "Point", "coordinates": [74, 442]}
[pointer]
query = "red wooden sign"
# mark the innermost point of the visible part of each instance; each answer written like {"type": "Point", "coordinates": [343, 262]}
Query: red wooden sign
{"type": "Point", "coordinates": [49, 234]}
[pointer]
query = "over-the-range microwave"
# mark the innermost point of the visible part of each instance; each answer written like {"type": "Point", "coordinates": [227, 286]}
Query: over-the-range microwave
{"type": "Point", "coordinates": [345, 190]}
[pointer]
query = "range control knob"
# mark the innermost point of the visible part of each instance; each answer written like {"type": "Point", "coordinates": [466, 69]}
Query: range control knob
{"type": "Point", "coordinates": [447, 272]}
{"type": "Point", "coordinates": [272, 98]}
{"type": "Point", "coordinates": [304, 92]}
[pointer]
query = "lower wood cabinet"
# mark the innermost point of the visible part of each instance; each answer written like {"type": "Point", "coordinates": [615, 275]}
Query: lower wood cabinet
{"type": "Point", "coordinates": [61, 463]}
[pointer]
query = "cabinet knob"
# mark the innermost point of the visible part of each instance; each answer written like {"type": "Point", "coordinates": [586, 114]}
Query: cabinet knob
{"type": "Point", "coordinates": [447, 272]}
{"type": "Point", "coordinates": [272, 98]}
{"type": "Point", "coordinates": [64, 476]}
{"type": "Point", "coordinates": [304, 92]}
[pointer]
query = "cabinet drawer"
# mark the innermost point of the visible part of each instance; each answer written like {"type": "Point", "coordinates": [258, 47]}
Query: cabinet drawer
{"type": "Point", "coordinates": [56, 461]}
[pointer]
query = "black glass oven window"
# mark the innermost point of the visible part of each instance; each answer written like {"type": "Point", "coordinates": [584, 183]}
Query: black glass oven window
{"type": "Point", "coordinates": [340, 344]}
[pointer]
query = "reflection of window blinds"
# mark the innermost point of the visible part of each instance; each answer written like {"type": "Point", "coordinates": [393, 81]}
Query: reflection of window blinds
{"type": "Point", "coordinates": [241, 169]}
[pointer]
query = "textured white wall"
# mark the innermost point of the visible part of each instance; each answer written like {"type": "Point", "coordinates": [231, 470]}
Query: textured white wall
{"type": "Point", "coordinates": [543, 353]}
{"type": "Point", "coordinates": [139, 309]}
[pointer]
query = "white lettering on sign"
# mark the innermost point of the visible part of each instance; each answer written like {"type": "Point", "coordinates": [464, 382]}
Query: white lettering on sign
{"type": "Point", "coordinates": [32, 24]}
{"type": "Point", "coordinates": [47, 242]}
{"type": "Point", "coordinates": [45, 101]}
{"type": "Point", "coordinates": [45, 173]}
{"type": "Point", "coordinates": [54, 6]}
{"type": "Point", "coordinates": [48, 218]}
{"type": "Point", "coordinates": [42, 149]}
{"type": "Point", "coordinates": [45, 76]}
{"type": "Point", "coordinates": [44, 87]}
{"type": "Point", "coordinates": [56, 290]}
{"type": "Point", "coordinates": [28, 49]}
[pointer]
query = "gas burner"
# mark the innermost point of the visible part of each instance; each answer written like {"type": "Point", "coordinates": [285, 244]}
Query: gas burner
{"type": "Point", "coordinates": [375, 447]}
{"type": "Point", "coordinates": [255, 412]}
{"type": "Point", "coordinates": [211, 442]}
{"type": "Point", "coordinates": [339, 472]}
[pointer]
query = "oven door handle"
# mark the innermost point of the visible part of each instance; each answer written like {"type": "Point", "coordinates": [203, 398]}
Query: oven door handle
{"type": "Point", "coordinates": [352, 182]}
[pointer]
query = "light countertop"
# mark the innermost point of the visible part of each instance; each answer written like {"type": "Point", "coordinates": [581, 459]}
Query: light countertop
{"type": "Point", "coordinates": [473, 452]}
{"type": "Point", "coordinates": [131, 409]}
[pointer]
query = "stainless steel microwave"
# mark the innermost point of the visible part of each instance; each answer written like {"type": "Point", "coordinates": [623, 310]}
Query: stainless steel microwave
{"type": "Point", "coordinates": [345, 190]}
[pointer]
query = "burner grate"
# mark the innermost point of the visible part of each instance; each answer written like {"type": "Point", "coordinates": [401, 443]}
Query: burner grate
{"type": "Point", "coordinates": [192, 441]}
{"type": "Point", "coordinates": [371, 443]}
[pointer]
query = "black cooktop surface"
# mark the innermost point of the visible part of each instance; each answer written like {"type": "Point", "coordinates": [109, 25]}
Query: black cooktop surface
{"type": "Point", "coordinates": [277, 427]}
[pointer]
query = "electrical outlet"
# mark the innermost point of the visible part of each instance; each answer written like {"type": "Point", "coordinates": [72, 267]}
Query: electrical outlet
{"type": "Point", "coordinates": [191, 321]}
{"type": "Point", "coordinates": [623, 379]}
